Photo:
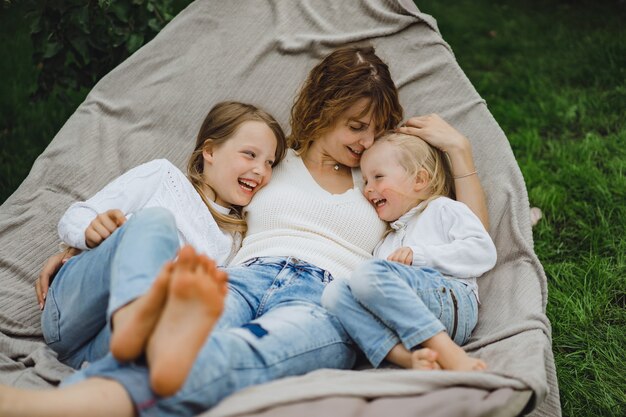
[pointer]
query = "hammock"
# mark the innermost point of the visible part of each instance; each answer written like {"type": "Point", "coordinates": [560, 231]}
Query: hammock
{"type": "Point", "coordinates": [150, 107]}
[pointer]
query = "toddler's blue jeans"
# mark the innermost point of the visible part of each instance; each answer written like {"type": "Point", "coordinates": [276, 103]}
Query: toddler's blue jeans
{"type": "Point", "coordinates": [385, 303]}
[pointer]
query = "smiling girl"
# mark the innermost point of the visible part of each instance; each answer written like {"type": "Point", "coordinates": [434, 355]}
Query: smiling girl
{"type": "Point", "coordinates": [131, 225]}
{"type": "Point", "coordinates": [421, 290]}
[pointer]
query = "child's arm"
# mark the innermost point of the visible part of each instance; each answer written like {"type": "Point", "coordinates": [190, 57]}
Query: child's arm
{"type": "Point", "coordinates": [469, 253]}
{"type": "Point", "coordinates": [102, 226]}
{"type": "Point", "coordinates": [126, 194]}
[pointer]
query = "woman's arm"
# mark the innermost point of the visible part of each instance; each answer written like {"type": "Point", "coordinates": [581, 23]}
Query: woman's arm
{"type": "Point", "coordinates": [437, 132]}
{"type": "Point", "coordinates": [49, 270]}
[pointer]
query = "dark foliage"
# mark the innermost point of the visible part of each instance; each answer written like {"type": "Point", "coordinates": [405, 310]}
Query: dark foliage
{"type": "Point", "coordinates": [77, 42]}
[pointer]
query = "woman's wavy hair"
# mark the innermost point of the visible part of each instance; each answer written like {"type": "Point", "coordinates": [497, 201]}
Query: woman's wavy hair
{"type": "Point", "coordinates": [219, 125]}
{"type": "Point", "coordinates": [415, 154]}
{"type": "Point", "coordinates": [336, 83]}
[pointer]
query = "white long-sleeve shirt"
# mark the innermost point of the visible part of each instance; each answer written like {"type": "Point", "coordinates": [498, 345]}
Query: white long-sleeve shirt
{"type": "Point", "coordinates": [157, 183]}
{"type": "Point", "coordinates": [294, 216]}
{"type": "Point", "coordinates": [445, 235]}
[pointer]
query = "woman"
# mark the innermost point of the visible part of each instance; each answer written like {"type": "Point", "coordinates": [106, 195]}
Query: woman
{"type": "Point", "coordinates": [309, 225]}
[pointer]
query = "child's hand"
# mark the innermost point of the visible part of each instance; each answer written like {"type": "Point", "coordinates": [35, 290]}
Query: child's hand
{"type": "Point", "coordinates": [102, 226]}
{"type": "Point", "coordinates": [436, 131]}
{"type": "Point", "coordinates": [402, 255]}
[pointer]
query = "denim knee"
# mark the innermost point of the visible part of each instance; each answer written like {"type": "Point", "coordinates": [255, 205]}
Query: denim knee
{"type": "Point", "coordinates": [157, 220]}
{"type": "Point", "coordinates": [155, 216]}
{"type": "Point", "coordinates": [364, 281]}
{"type": "Point", "coordinates": [333, 294]}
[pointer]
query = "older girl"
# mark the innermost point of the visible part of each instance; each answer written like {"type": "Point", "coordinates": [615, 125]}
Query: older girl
{"type": "Point", "coordinates": [236, 149]}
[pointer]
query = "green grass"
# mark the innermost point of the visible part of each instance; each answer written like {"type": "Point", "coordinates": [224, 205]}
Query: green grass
{"type": "Point", "coordinates": [553, 74]}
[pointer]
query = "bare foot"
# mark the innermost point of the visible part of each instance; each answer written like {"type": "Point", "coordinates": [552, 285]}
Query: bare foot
{"type": "Point", "coordinates": [456, 359]}
{"type": "Point", "coordinates": [134, 323]}
{"type": "Point", "coordinates": [424, 359]}
{"type": "Point", "coordinates": [452, 357]}
{"type": "Point", "coordinates": [194, 303]}
{"type": "Point", "coordinates": [465, 363]}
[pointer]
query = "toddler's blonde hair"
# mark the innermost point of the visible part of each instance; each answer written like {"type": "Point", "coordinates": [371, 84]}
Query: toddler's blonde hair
{"type": "Point", "coordinates": [415, 154]}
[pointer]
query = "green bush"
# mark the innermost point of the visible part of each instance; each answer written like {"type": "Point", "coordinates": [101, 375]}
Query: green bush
{"type": "Point", "coordinates": [77, 42]}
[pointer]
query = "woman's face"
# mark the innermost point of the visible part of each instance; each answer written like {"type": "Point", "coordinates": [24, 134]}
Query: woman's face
{"type": "Point", "coordinates": [350, 135]}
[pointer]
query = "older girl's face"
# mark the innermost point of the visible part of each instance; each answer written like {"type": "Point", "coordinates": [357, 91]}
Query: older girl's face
{"type": "Point", "coordinates": [351, 135]}
{"type": "Point", "coordinates": [242, 165]}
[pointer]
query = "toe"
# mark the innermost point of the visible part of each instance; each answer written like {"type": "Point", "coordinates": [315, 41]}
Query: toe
{"type": "Point", "coordinates": [221, 277]}
{"type": "Point", "coordinates": [423, 365]}
{"type": "Point", "coordinates": [207, 265]}
{"type": "Point", "coordinates": [425, 354]}
{"type": "Point", "coordinates": [186, 256]}
{"type": "Point", "coordinates": [164, 275]}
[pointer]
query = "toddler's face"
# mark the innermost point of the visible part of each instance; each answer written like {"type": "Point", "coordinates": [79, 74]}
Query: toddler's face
{"type": "Point", "coordinates": [388, 186]}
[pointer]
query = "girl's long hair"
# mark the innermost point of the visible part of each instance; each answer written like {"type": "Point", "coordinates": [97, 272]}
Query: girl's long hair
{"type": "Point", "coordinates": [415, 154]}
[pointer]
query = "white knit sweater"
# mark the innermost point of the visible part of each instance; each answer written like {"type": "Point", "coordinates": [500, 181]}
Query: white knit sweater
{"type": "Point", "coordinates": [156, 183]}
{"type": "Point", "coordinates": [294, 216]}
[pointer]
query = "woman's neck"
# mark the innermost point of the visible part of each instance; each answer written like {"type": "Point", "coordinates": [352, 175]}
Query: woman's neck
{"type": "Point", "coordinates": [332, 176]}
{"type": "Point", "coordinates": [317, 160]}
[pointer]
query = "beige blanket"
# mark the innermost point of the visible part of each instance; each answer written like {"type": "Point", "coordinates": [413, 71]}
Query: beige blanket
{"type": "Point", "coordinates": [260, 51]}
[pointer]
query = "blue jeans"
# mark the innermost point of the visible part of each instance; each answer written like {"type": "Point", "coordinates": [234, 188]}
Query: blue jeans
{"type": "Point", "coordinates": [385, 303]}
{"type": "Point", "coordinates": [92, 285]}
{"type": "Point", "coordinates": [273, 326]}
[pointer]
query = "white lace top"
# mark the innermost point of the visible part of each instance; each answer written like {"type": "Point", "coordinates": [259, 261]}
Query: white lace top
{"type": "Point", "coordinates": [156, 183]}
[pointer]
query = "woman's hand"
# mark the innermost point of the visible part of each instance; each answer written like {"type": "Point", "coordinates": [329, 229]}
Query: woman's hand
{"type": "Point", "coordinates": [436, 131]}
{"type": "Point", "coordinates": [403, 255]}
{"type": "Point", "coordinates": [102, 226]}
{"type": "Point", "coordinates": [49, 270]}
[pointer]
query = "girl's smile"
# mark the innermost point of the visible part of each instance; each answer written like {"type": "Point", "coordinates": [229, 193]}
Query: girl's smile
{"type": "Point", "coordinates": [389, 188]}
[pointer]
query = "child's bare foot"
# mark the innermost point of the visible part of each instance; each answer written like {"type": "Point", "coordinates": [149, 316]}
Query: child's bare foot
{"type": "Point", "coordinates": [134, 323]}
{"type": "Point", "coordinates": [467, 363]}
{"type": "Point", "coordinates": [424, 359]}
{"type": "Point", "coordinates": [194, 303]}
{"type": "Point", "coordinates": [451, 356]}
